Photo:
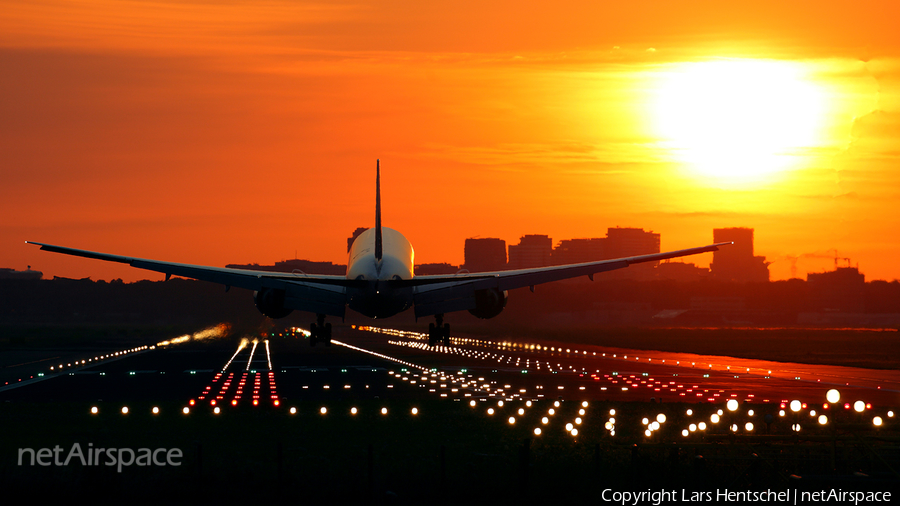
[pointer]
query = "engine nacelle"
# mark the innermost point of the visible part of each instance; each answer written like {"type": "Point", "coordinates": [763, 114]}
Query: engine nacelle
{"type": "Point", "coordinates": [270, 302]}
{"type": "Point", "coordinates": [489, 303]}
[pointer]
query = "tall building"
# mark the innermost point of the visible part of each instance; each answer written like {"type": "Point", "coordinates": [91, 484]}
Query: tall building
{"type": "Point", "coordinates": [629, 242]}
{"type": "Point", "coordinates": [354, 236]}
{"type": "Point", "coordinates": [576, 251]}
{"type": "Point", "coordinates": [484, 255]}
{"type": "Point", "coordinates": [532, 251]}
{"type": "Point", "coordinates": [736, 262]}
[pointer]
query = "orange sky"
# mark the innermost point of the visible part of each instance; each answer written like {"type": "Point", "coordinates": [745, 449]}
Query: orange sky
{"type": "Point", "coordinates": [233, 132]}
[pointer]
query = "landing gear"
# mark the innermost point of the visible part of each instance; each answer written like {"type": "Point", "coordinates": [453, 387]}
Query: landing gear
{"type": "Point", "coordinates": [439, 332]}
{"type": "Point", "coordinates": [320, 332]}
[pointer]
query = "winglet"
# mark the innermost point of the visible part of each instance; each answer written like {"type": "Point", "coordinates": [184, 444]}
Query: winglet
{"type": "Point", "coordinates": [378, 240]}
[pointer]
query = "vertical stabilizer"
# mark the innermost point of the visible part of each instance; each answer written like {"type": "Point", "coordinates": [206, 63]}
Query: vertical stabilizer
{"type": "Point", "coordinates": [378, 241]}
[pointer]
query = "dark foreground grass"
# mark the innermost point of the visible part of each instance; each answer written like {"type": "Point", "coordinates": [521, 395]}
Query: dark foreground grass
{"type": "Point", "coordinates": [449, 453]}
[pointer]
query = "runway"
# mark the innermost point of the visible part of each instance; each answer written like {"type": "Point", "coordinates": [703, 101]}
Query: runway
{"type": "Point", "coordinates": [373, 362]}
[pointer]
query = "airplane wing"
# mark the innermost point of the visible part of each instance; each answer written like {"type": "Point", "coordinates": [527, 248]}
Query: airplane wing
{"type": "Point", "coordinates": [304, 292]}
{"type": "Point", "coordinates": [444, 294]}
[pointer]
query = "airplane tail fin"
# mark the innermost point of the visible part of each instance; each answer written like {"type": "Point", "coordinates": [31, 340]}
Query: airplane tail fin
{"type": "Point", "coordinates": [378, 240]}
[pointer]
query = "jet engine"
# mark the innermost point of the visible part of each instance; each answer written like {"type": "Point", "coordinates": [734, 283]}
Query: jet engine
{"type": "Point", "coordinates": [270, 302]}
{"type": "Point", "coordinates": [489, 303]}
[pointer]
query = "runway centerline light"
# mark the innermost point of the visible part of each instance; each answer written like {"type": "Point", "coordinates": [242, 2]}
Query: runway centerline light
{"type": "Point", "coordinates": [94, 410]}
{"type": "Point", "coordinates": [155, 410]}
{"type": "Point", "coordinates": [833, 396]}
{"type": "Point", "coordinates": [859, 406]}
{"type": "Point", "coordinates": [732, 405]}
{"type": "Point", "coordinates": [124, 410]}
{"type": "Point", "coordinates": [186, 410]}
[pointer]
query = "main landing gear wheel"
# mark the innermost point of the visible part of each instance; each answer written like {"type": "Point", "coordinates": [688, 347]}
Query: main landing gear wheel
{"type": "Point", "coordinates": [320, 332]}
{"type": "Point", "coordinates": [439, 332]}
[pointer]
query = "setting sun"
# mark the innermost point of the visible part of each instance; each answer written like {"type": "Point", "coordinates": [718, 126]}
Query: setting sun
{"type": "Point", "coordinates": [738, 121]}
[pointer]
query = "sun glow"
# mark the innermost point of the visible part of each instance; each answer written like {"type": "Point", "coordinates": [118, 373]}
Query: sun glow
{"type": "Point", "coordinates": [738, 121]}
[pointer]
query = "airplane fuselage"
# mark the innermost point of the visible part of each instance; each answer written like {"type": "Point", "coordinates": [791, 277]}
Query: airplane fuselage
{"type": "Point", "coordinates": [376, 300]}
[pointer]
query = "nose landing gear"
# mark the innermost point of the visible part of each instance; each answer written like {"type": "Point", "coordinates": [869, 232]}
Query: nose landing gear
{"type": "Point", "coordinates": [320, 332]}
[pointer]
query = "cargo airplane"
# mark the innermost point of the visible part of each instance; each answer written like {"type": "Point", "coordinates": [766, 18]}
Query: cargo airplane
{"type": "Point", "coordinates": [380, 281]}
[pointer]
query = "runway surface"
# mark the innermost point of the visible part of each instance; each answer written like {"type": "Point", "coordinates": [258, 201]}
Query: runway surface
{"type": "Point", "coordinates": [370, 362]}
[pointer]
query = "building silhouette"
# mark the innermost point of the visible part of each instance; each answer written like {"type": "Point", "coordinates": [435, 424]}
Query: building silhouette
{"type": "Point", "coordinates": [576, 251]}
{"type": "Point", "coordinates": [532, 251]}
{"type": "Point", "coordinates": [7, 273]}
{"type": "Point", "coordinates": [681, 271]}
{"type": "Point", "coordinates": [296, 266]}
{"type": "Point", "coordinates": [354, 236]}
{"type": "Point", "coordinates": [482, 255]}
{"type": "Point", "coordinates": [629, 242]}
{"type": "Point", "coordinates": [435, 269]}
{"type": "Point", "coordinates": [736, 262]}
{"type": "Point", "coordinates": [839, 291]}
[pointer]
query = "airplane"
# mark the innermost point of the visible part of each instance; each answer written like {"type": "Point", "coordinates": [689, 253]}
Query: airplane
{"type": "Point", "coordinates": [380, 281]}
